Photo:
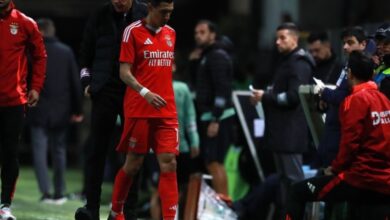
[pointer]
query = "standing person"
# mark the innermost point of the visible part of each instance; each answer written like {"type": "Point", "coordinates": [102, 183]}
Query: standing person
{"type": "Point", "coordinates": [19, 36]}
{"type": "Point", "coordinates": [382, 72]}
{"type": "Point", "coordinates": [59, 104]}
{"type": "Point", "coordinates": [354, 39]}
{"type": "Point", "coordinates": [286, 132]}
{"type": "Point", "coordinates": [214, 84]}
{"type": "Point", "coordinates": [188, 146]}
{"type": "Point", "coordinates": [146, 57]}
{"type": "Point", "coordinates": [327, 67]}
{"type": "Point", "coordinates": [361, 171]}
{"type": "Point", "coordinates": [100, 79]}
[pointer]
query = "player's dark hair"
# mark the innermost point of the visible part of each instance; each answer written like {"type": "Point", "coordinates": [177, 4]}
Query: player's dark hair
{"type": "Point", "coordinates": [356, 32]}
{"type": "Point", "coordinates": [211, 25]}
{"type": "Point", "coordinates": [361, 65]}
{"type": "Point", "coordinates": [318, 36]}
{"type": "Point", "coordinates": [46, 25]}
{"type": "Point", "coordinates": [156, 3]}
{"type": "Point", "coordinates": [289, 26]}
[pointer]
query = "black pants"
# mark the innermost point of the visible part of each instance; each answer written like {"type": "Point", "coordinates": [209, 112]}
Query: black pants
{"type": "Point", "coordinates": [106, 106]}
{"type": "Point", "coordinates": [332, 189]}
{"type": "Point", "coordinates": [11, 125]}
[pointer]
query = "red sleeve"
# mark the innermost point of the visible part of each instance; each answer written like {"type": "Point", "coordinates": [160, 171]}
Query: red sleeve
{"type": "Point", "coordinates": [353, 112]}
{"type": "Point", "coordinates": [127, 54]}
{"type": "Point", "coordinates": [38, 56]}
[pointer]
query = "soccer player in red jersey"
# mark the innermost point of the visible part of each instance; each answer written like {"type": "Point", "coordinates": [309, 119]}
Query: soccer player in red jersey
{"type": "Point", "coordinates": [147, 54]}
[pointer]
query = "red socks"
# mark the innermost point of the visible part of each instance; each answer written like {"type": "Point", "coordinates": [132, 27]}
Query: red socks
{"type": "Point", "coordinates": [121, 189]}
{"type": "Point", "coordinates": [167, 188]}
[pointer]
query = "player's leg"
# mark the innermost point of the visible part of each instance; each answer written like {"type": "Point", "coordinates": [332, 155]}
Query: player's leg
{"type": "Point", "coordinates": [134, 142]}
{"type": "Point", "coordinates": [124, 180]}
{"type": "Point", "coordinates": [12, 119]}
{"type": "Point", "coordinates": [166, 142]}
{"type": "Point", "coordinates": [167, 186]}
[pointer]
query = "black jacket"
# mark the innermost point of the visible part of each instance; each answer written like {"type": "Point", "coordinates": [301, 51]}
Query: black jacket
{"type": "Point", "coordinates": [61, 94]}
{"type": "Point", "coordinates": [285, 124]}
{"type": "Point", "coordinates": [214, 81]}
{"type": "Point", "coordinates": [101, 46]}
{"type": "Point", "coordinates": [328, 70]}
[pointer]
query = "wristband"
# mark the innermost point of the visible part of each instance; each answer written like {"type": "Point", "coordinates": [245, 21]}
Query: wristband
{"type": "Point", "coordinates": [143, 91]}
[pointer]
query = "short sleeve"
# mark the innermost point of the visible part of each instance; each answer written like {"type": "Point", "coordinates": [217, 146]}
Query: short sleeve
{"type": "Point", "coordinates": [127, 54]}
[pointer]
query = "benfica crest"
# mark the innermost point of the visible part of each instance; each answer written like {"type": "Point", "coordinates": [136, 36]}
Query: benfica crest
{"type": "Point", "coordinates": [13, 28]}
{"type": "Point", "coordinates": [168, 40]}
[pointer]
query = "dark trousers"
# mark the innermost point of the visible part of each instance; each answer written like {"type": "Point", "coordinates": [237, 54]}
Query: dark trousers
{"type": "Point", "coordinates": [106, 106]}
{"type": "Point", "coordinates": [11, 125]}
{"type": "Point", "coordinates": [289, 169]}
{"type": "Point", "coordinates": [332, 189]}
{"type": "Point", "coordinates": [41, 140]}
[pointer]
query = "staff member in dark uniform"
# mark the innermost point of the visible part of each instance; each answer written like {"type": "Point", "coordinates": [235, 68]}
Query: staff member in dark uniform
{"type": "Point", "coordinates": [100, 79]}
{"type": "Point", "coordinates": [213, 99]}
{"type": "Point", "coordinates": [286, 132]}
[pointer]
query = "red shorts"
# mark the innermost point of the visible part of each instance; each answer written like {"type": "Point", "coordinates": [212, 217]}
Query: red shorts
{"type": "Point", "coordinates": [141, 134]}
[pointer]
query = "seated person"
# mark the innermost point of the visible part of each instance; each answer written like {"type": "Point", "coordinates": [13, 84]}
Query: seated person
{"type": "Point", "coordinates": [361, 171]}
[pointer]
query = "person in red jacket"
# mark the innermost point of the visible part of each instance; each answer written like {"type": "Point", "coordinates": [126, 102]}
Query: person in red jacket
{"type": "Point", "coordinates": [361, 171]}
{"type": "Point", "coordinates": [19, 36]}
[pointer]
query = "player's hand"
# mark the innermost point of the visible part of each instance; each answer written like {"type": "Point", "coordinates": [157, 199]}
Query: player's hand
{"type": "Point", "coordinates": [257, 95]}
{"type": "Point", "coordinates": [322, 105]}
{"type": "Point", "coordinates": [76, 118]}
{"type": "Point", "coordinates": [376, 59]}
{"type": "Point", "coordinates": [86, 92]}
{"type": "Point", "coordinates": [212, 129]}
{"type": "Point", "coordinates": [317, 89]}
{"type": "Point", "coordinates": [328, 171]}
{"type": "Point", "coordinates": [194, 152]}
{"type": "Point", "coordinates": [32, 98]}
{"type": "Point", "coordinates": [155, 100]}
{"type": "Point", "coordinates": [195, 54]}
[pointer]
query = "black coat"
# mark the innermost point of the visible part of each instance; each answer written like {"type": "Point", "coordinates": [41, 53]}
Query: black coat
{"type": "Point", "coordinates": [286, 129]}
{"type": "Point", "coordinates": [328, 70]}
{"type": "Point", "coordinates": [214, 81]}
{"type": "Point", "coordinates": [61, 95]}
{"type": "Point", "coordinates": [101, 45]}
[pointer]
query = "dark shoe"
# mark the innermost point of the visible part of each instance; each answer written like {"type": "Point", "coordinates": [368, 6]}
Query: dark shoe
{"type": "Point", "coordinates": [46, 198]}
{"type": "Point", "coordinates": [130, 214]}
{"type": "Point", "coordinates": [83, 213]}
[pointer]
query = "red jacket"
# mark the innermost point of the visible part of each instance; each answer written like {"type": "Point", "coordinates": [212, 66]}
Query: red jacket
{"type": "Point", "coordinates": [19, 35]}
{"type": "Point", "coordinates": [363, 159]}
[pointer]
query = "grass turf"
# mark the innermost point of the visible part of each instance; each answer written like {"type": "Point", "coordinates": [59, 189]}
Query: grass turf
{"type": "Point", "coordinates": [26, 205]}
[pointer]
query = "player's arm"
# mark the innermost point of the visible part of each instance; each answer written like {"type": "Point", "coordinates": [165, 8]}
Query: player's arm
{"type": "Point", "coordinates": [128, 78]}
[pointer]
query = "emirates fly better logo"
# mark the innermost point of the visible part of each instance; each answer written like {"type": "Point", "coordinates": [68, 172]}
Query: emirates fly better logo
{"type": "Point", "coordinates": [159, 58]}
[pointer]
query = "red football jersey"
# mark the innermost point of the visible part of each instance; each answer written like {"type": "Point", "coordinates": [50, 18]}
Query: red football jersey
{"type": "Point", "coordinates": [151, 54]}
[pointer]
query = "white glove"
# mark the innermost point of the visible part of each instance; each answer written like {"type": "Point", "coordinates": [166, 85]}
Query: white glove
{"type": "Point", "coordinates": [317, 89]}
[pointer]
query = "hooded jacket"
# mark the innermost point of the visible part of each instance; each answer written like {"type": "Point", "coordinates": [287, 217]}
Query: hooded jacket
{"type": "Point", "coordinates": [19, 36]}
{"type": "Point", "coordinates": [363, 159]}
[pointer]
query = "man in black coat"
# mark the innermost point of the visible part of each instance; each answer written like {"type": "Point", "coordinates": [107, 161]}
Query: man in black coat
{"type": "Point", "coordinates": [213, 99]}
{"type": "Point", "coordinates": [100, 78]}
{"type": "Point", "coordinates": [286, 132]}
{"type": "Point", "coordinates": [327, 67]}
{"type": "Point", "coordinates": [59, 104]}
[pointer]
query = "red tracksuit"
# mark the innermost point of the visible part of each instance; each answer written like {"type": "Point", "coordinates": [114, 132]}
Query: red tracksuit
{"type": "Point", "coordinates": [363, 160]}
{"type": "Point", "coordinates": [19, 35]}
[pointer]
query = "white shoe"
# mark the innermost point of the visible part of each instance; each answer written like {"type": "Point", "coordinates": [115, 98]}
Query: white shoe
{"type": "Point", "coordinates": [5, 214]}
{"type": "Point", "coordinates": [59, 201]}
